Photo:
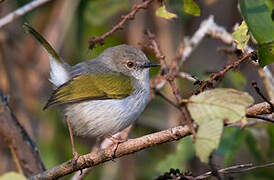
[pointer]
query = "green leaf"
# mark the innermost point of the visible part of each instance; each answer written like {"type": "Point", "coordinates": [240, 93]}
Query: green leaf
{"type": "Point", "coordinates": [257, 16]}
{"type": "Point", "coordinates": [191, 7]}
{"type": "Point", "coordinates": [241, 36]}
{"type": "Point", "coordinates": [13, 176]}
{"type": "Point", "coordinates": [222, 103]}
{"type": "Point", "coordinates": [163, 13]}
{"type": "Point", "coordinates": [208, 137]}
{"type": "Point", "coordinates": [266, 53]}
{"type": "Point", "coordinates": [270, 5]}
{"type": "Point", "coordinates": [209, 110]}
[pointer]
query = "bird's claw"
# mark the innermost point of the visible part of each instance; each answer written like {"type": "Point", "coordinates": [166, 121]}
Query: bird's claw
{"type": "Point", "coordinates": [115, 142]}
{"type": "Point", "coordinates": [75, 158]}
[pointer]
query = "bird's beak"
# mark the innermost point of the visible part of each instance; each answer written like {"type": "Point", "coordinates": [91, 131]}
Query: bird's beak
{"type": "Point", "coordinates": [150, 64]}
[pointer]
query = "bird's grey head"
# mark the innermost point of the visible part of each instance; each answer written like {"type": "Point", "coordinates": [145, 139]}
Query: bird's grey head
{"type": "Point", "coordinates": [127, 60]}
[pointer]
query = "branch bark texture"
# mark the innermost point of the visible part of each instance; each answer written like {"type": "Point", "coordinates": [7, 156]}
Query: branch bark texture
{"type": "Point", "coordinates": [125, 148]}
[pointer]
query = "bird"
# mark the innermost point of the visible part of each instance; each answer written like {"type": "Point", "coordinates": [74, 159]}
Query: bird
{"type": "Point", "coordinates": [102, 96]}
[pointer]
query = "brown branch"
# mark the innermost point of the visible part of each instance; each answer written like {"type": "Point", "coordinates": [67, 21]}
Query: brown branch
{"type": "Point", "coordinates": [219, 75]}
{"type": "Point", "coordinates": [130, 16]}
{"type": "Point", "coordinates": [125, 148]}
{"type": "Point", "coordinates": [258, 109]}
{"type": "Point", "coordinates": [23, 149]}
{"type": "Point", "coordinates": [130, 146]}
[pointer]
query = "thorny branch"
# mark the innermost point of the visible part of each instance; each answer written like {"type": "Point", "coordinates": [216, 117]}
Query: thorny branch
{"type": "Point", "coordinates": [130, 16]}
{"type": "Point", "coordinates": [21, 11]}
{"type": "Point", "coordinates": [219, 75]}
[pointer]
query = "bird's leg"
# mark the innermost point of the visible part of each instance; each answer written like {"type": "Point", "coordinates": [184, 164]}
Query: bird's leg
{"type": "Point", "coordinates": [116, 142]}
{"type": "Point", "coordinates": [74, 151]}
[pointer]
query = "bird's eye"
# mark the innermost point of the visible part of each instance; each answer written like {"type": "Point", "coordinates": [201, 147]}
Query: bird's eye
{"type": "Point", "coordinates": [130, 64]}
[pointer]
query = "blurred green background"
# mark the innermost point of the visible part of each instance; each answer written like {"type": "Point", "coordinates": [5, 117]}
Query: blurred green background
{"type": "Point", "coordinates": [67, 25]}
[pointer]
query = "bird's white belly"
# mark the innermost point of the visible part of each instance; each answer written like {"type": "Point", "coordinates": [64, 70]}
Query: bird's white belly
{"type": "Point", "coordinates": [106, 117]}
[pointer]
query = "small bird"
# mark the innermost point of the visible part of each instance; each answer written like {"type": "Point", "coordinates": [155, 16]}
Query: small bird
{"type": "Point", "coordinates": [101, 96]}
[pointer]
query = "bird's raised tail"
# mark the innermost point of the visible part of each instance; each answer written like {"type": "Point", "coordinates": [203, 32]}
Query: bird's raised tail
{"type": "Point", "coordinates": [58, 73]}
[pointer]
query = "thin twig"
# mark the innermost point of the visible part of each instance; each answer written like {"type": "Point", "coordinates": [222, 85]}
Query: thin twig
{"type": "Point", "coordinates": [130, 16]}
{"type": "Point", "coordinates": [235, 169]}
{"type": "Point", "coordinates": [219, 75]}
{"type": "Point", "coordinates": [257, 89]}
{"type": "Point", "coordinates": [21, 11]}
{"type": "Point", "coordinates": [265, 118]}
{"type": "Point", "coordinates": [252, 168]}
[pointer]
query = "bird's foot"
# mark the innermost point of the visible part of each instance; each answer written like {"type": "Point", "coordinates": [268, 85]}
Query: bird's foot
{"type": "Point", "coordinates": [115, 144]}
{"type": "Point", "coordinates": [76, 156]}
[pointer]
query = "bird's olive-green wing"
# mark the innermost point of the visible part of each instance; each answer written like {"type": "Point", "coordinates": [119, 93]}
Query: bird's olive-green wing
{"type": "Point", "coordinates": [92, 87]}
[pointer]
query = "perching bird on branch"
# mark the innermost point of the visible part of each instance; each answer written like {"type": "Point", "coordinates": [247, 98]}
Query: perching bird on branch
{"type": "Point", "coordinates": [101, 96]}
